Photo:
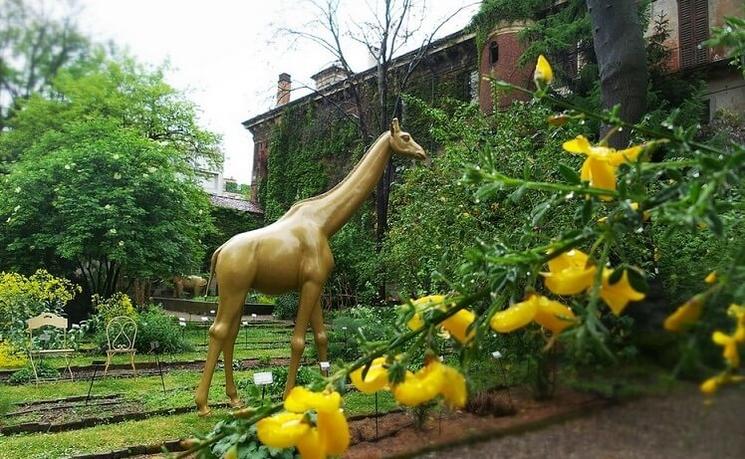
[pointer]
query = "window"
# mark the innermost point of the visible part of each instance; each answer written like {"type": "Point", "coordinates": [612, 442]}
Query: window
{"type": "Point", "coordinates": [693, 20]}
{"type": "Point", "coordinates": [493, 53]}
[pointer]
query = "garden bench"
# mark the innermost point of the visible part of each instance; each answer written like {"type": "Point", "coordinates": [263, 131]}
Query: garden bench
{"type": "Point", "coordinates": [121, 333]}
{"type": "Point", "coordinates": [51, 320]}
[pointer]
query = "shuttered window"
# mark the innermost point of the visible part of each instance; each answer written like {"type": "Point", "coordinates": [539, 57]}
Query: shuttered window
{"type": "Point", "coordinates": [693, 22]}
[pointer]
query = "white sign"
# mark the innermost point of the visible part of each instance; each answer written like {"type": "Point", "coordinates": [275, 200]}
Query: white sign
{"type": "Point", "coordinates": [253, 315]}
{"type": "Point", "coordinates": [212, 311]}
{"type": "Point", "coordinates": [205, 319]}
{"type": "Point", "coordinates": [325, 366]}
{"type": "Point", "coordinates": [183, 324]}
{"type": "Point", "coordinates": [263, 378]}
{"type": "Point", "coordinates": [496, 354]}
{"type": "Point", "coordinates": [245, 323]}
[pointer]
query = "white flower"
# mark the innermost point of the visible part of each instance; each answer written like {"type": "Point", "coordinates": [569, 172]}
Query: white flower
{"type": "Point", "coordinates": [18, 189]}
{"type": "Point", "coordinates": [67, 167]}
{"type": "Point", "coordinates": [107, 206]}
{"type": "Point", "coordinates": [112, 231]}
{"type": "Point", "coordinates": [116, 156]}
{"type": "Point", "coordinates": [152, 169]}
{"type": "Point", "coordinates": [117, 176]}
{"type": "Point", "coordinates": [16, 208]}
{"type": "Point", "coordinates": [8, 220]}
{"type": "Point", "coordinates": [144, 175]}
{"type": "Point", "coordinates": [121, 243]}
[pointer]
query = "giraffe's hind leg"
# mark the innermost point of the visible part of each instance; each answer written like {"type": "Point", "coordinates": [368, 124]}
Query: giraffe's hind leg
{"type": "Point", "coordinates": [227, 353]}
{"type": "Point", "coordinates": [309, 295]}
{"type": "Point", "coordinates": [228, 312]}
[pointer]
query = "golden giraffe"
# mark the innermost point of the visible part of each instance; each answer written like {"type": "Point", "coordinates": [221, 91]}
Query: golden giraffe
{"type": "Point", "coordinates": [292, 254]}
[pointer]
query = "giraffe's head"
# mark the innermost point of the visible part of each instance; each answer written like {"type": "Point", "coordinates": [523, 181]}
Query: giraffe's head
{"type": "Point", "coordinates": [402, 143]}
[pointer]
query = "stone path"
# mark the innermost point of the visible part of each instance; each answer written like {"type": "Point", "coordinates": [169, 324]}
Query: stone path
{"type": "Point", "coordinates": [679, 425]}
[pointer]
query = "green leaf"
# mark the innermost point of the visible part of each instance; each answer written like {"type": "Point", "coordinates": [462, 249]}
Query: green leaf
{"type": "Point", "coordinates": [637, 280]}
{"type": "Point", "coordinates": [569, 174]}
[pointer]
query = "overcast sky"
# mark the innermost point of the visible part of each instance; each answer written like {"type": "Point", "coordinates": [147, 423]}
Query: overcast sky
{"type": "Point", "coordinates": [227, 54]}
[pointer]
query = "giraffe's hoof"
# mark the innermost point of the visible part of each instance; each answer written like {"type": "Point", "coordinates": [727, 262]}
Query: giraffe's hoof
{"type": "Point", "coordinates": [235, 402]}
{"type": "Point", "coordinates": [203, 411]}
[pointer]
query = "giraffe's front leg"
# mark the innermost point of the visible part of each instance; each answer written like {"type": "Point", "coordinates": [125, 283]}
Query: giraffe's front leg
{"type": "Point", "coordinates": [310, 292]}
{"type": "Point", "coordinates": [319, 332]}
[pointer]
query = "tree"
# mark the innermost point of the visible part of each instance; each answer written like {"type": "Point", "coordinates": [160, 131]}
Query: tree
{"type": "Point", "coordinates": [34, 46]}
{"type": "Point", "coordinates": [104, 182]}
{"type": "Point", "coordinates": [622, 60]}
{"type": "Point", "coordinates": [121, 91]}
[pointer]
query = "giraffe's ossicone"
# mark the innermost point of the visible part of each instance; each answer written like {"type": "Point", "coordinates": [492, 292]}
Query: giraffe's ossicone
{"type": "Point", "coordinates": [292, 254]}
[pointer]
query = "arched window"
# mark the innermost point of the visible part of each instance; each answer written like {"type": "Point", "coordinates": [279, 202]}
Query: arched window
{"type": "Point", "coordinates": [493, 53]}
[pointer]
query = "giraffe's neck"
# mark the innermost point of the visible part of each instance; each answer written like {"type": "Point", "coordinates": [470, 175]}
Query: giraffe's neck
{"type": "Point", "coordinates": [333, 208]}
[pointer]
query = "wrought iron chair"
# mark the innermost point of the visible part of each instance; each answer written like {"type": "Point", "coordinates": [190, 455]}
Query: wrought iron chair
{"type": "Point", "coordinates": [48, 319]}
{"type": "Point", "coordinates": [121, 333]}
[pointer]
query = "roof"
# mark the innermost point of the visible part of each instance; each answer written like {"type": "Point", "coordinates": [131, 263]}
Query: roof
{"type": "Point", "coordinates": [435, 46]}
{"type": "Point", "coordinates": [235, 202]}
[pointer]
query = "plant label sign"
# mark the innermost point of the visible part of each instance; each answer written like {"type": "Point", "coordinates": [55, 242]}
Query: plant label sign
{"type": "Point", "coordinates": [263, 378]}
{"type": "Point", "coordinates": [325, 367]}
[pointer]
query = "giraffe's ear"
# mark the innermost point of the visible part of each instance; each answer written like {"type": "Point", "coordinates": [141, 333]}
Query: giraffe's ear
{"type": "Point", "coordinates": [394, 126]}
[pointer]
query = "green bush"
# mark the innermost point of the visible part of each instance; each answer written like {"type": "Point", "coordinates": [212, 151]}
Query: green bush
{"type": "Point", "coordinates": [348, 326]}
{"type": "Point", "coordinates": [26, 374]}
{"type": "Point", "coordinates": [155, 325]}
{"type": "Point", "coordinates": [285, 307]}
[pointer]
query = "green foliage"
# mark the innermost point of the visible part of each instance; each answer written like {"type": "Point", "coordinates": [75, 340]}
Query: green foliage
{"type": "Point", "coordinates": [23, 297]}
{"type": "Point", "coordinates": [154, 325]}
{"type": "Point", "coordinates": [491, 12]}
{"type": "Point", "coordinates": [354, 326]}
{"type": "Point", "coordinates": [26, 374]}
{"type": "Point", "coordinates": [731, 36]}
{"type": "Point", "coordinates": [436, 217]}
{"type": "Point", "coordinates": [125, 203]}
{"type": "Point", "coordinates": [285, 306]}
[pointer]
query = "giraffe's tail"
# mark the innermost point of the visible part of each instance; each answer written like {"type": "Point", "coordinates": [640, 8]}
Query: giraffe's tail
{"type": "Point", "coordinates": [213, 261]}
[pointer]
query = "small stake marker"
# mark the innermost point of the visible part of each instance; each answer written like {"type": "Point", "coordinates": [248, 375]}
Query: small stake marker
{"type": "Point", "coordinates": [263, 379]}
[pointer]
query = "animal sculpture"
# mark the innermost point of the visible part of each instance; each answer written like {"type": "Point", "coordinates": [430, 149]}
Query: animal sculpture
{"type": "Point", "coordinates": [291, 254]}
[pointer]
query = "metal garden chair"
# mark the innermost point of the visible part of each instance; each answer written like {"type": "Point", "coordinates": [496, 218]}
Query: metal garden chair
{"type": "Point", "coordinates": [121, 333]}
{"type": "Point", "coordinates": [51, 320]}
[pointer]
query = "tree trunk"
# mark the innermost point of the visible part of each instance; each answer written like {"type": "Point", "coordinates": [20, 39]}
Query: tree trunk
{"type": "Point", "coordinates": [622, 60]}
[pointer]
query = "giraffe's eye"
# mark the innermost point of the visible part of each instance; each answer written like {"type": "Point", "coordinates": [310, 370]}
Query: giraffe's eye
{"type": "Point", "coordinates": [405, 137]}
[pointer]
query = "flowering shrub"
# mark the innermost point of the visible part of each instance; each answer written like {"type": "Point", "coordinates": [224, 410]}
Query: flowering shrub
{"type": "Point", "coordinates": [23, 297]}
{"type": "Point", "coordinates": [11, 357]}
{"type": "Point", "coordinates": [572, 286]}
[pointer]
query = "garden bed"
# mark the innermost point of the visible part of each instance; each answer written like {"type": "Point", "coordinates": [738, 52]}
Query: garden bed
{"type": "Point", "coordinates": [398, 436]}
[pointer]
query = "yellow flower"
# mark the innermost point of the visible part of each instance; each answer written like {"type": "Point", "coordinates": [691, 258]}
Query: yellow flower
{"type": "Point", "coordinates": [516, 316]}
{"type": "Point", "coordinates": [711, 277]}
{"type": "Point", "coordinates": [729, 344]}
{"type": "Point", "coordinates": [454, 388]}
{"type": "Point", "coordinates": [543, 74]}
{"type": "Point", "coordinates": [738, 313]}
{"type": "Point", "coordinates": [687, 314]}
{"type": "Point", "coordinates": [300, 400]}
{"type": "Point", "coordinates": [420, 387]}
{"type": "Point", "coordinates": [569, 273]}
{"type": "Point", "coordinates": [282, 430]}
{"type": "Point", "coordinates": [421, 305]}
{"type": "Point", "coordinates": [311, 445]}
{"type": "Point", "coordinates": [711, 385]}
{"type": "Point", "coordinates": [458, 324]}
{"type": "Point", "coordinates": [617, 296]}
{"type": "Point", "coordinates": [553, 315]}
{"type": "Point", "coordinates": [602, 162]}
{"type": "Point", "coordinates": [376, 378]}
{"type": "Point", "coordinates": [334, 430]}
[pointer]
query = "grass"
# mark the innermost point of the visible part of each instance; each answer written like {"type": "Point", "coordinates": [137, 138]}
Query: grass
{"type": "Point", "coordinates": [107, 437]}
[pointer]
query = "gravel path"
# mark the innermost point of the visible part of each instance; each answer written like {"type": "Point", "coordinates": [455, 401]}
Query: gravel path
{"type": "Point", "coordinates": [679, 425]}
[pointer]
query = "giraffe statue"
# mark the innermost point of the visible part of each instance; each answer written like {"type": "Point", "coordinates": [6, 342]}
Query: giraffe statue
{"type": "Point", "coordinates": [292, 254]}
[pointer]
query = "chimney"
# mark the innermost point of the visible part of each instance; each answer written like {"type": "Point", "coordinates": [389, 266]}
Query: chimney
{"type": "Point", "coordinates": [284, 86]}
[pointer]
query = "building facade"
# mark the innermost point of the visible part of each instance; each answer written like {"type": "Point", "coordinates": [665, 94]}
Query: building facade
{"type": "Point", "coordinates": [689, 22]}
